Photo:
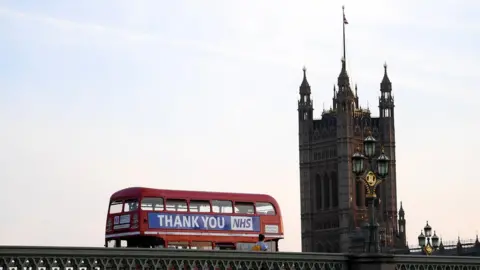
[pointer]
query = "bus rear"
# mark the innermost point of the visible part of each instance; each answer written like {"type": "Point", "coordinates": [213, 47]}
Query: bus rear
{"type": "Point", "coordinates": [192, 220]}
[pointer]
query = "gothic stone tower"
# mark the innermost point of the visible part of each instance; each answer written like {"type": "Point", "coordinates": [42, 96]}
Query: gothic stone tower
{"type": "Point", "coordinates": [332, 202]}
{"type": "Point", "coordinates": [333, 206]}
{"type": "Point", "coordinates": [402, 228]}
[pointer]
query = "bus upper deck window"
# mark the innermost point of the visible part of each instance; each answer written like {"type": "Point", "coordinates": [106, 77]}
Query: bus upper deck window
{"type": "Point", "coordinates": [152, 204]}
{"type": "Point", "coordinates": [244, 208]}
{"type": "Point", "coordinates": [222, 206]}
{"type": "Point", "coordinates": [130, 205]}
{"type": "Point", "coordinates": [116, 207]}
{"type": "Point", "coordinates": [177, 205]}
{"type": "Point", "coordinates": [199, 206]}
{"type": "Point", "coordinates": [265, 208]}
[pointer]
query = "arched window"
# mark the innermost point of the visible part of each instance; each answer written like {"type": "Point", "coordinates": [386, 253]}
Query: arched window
{"type": "Point", "coordinates": [319, 189]}
{"type": "Point", "coordinates": [327, 191]}
{"type": "Point", "coordinates": [334, 178]}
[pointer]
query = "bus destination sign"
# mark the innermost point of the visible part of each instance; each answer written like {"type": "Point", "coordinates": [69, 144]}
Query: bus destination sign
{"type": "Point", "coordinates": [203, 222]}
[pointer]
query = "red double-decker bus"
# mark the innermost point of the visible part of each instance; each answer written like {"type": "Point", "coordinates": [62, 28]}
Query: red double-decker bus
{"type": "Point", "coordinates": [158, 218]}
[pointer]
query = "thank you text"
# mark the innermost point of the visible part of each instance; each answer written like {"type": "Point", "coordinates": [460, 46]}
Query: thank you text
{"type": "Point", "coordinates": [203, 222]}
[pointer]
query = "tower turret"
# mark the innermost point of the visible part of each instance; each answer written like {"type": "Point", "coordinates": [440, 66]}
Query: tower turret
{"type": "Point", "coordinates": [386, 102]}
{"type": "Point", "coordinates": [387, 139]}
{"type": "Point", "coordinates": [402, 226]}
{"type": "Point", "coordinates": [305, 107]}
{"type": "Point", "coordinates": [305, 130]}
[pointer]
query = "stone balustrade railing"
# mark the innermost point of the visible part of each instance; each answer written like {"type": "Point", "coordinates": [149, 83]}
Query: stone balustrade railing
{"type": "Point", "coordinates": [79, 258]}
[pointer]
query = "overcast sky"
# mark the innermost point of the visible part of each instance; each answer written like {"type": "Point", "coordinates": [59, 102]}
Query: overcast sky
{"type": "Point", "coordinates": [96, 96]}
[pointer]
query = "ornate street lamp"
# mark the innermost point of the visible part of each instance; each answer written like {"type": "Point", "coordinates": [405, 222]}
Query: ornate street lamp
{"type": "Point", "coordinates": [377, 171]}
{"type": "Point", "coordinates": [428, 242]}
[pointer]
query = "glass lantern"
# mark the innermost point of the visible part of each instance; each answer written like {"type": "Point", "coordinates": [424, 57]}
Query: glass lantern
{"type": "Point", "coordinates": [421, 239]}
{"type": "Point", "coordinates": [382, 164]}
{"type": "Point", "coordinates": [427, 230]}
{"type": "Point", "coordinates": [435, 240]}
{"type": "Point", "coordinates": [357, 162]}
{"type": "Point", "coordinates": [369, 144]}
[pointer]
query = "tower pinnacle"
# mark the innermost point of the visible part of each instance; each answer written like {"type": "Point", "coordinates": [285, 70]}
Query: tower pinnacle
{"type": "Point", "coordinates": [305, 86]}
{"type": "Point", "coordinates": [386, 84]}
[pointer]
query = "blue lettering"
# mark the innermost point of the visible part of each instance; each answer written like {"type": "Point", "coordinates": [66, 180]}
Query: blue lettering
{"type": "Point", "coordinates": [202, 222]}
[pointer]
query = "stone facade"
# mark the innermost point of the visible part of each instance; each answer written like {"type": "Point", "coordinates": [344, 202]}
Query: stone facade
{"type": "Point", "coordinates": [333, 206]}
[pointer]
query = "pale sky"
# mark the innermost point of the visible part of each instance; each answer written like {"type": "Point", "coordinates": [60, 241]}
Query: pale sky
{"type": "Point", "coordinates": [96, 96]}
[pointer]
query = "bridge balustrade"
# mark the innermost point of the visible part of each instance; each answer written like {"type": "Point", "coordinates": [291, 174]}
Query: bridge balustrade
{"type": "Point", "coordinates": [80, 258]}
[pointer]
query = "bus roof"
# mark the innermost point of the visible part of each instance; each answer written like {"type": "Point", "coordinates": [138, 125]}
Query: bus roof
{"type": "Point", "coordinates": [135, 192]}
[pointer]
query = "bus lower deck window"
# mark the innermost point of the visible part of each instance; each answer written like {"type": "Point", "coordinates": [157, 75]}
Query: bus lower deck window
{"type": "Point", "coordinates": [178, 245]}
{"type": "Point", "coordinates": [201, 245]}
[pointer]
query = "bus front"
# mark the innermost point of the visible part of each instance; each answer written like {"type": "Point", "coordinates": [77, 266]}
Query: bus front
{"type": "Point", "coordinates": [122, 222]}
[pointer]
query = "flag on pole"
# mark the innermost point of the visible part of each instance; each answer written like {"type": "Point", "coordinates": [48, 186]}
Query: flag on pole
{"type": "Point", "coordinates": [344, 19]}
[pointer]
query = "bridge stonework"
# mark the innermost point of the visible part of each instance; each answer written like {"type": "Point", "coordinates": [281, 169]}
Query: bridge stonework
{"type": "Point", "coordinates": [79, 258]}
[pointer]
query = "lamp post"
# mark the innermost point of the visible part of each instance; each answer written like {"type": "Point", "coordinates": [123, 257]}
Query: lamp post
{"type": "Point", "coordinates": [371, 177]}
{"type": "Point", "coordinates": [428, 242]}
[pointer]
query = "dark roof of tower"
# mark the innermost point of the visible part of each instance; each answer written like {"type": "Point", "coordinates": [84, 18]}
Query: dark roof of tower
{"type": "Point", "coordinates": [343, 78]}
{"type": "Point", "coordinates": [401, 211]}
{"type": "Point", "coordinates": [386, 84]}
{"type": "Point", "coordinates": [305, 86]}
